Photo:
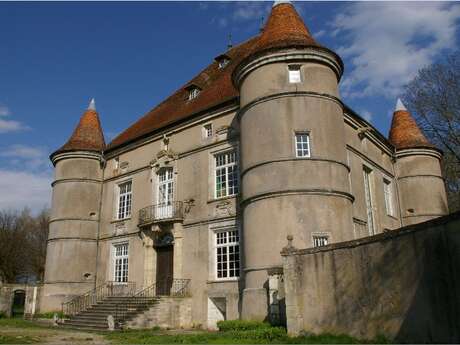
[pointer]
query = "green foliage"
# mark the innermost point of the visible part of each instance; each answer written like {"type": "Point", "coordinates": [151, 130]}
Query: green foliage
{"type": "Point", "coordinates": [18, 322]}
{"type": "Point", "coordinates": [235, 333]}
{"type": "Point", "coordinates": [267, 334]}
{"type": "Point", "coordinates": [19, 339]}
{"type": "Point", "coordinates": [241, 325]}
{"type": "Point", "coordinates": [49, 315]}
{"type": "Point", "coordinates": [2, 315]}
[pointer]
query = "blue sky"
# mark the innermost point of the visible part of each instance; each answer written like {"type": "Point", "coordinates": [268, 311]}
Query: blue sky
{"type": "Point", "coordinates": [55, 56]}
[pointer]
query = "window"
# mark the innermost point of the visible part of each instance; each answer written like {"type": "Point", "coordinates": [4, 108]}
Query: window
{"type": "Point", "coordinates": [368, 198]}
{"type": "Point", "coordinates": [165, 194]}
{"type": "Point", "coordinates": [227, 254]}
{"type": "Point", "coordinates": [320, 240]}
{"type": "Point", "coordinates": [193, 93]}
{"type": "Point", "coordinates": [294, 73]}
{"type": "Point", "coordinates": [120, 263]}
{"type": "Point", "coordinates": [226, 174]}
{"type": "Point", "coordinates": [124, 200]}
{"type": "Point", "coordinates": [207, 131]}
{"type": "Point", "coordinates": [388, 191]}
{"type": "Point", "coordinates": [302, 144]}
{"type": "Point", "coordinates": [223, 62]}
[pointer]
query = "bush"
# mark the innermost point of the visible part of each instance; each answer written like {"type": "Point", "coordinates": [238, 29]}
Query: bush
{"type": "Point", "coordinates": [241, 325]}
{"type": "Point", "coordinates": [2, 315]}
{"type": "Point", "coordinates": [49, 315]}
{"type": "Point", "coordinates": [259, 334]}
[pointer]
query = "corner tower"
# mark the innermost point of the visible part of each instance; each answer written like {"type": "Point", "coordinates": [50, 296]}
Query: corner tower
{"type": "Point", "coordinates": [418, 170]}
{"type": "Point", "coordinates": [72, 241]}
{"type": "Point", "coordinates": [294, 171]}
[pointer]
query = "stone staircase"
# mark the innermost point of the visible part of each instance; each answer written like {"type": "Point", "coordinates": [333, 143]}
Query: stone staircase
{"type": "Point", "coordinates": [123, 309]}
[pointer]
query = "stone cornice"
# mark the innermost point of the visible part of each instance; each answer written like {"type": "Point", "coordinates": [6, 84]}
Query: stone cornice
{"type": "Point", "coordinates": [298, 191]}
{"type": "Point", "coordinates": [419, 151]}
{"type": "Point", "coordinates": [76, 154]}
{"type": "Point", "coordinates": [314, 54]}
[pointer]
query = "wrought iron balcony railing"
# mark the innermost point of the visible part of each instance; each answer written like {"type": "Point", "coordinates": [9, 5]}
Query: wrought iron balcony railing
{"type": "Point", "coordinates": [165, 212]}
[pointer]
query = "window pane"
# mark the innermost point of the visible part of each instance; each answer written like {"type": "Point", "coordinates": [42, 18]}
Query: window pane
{"type": "Point", "coordinates": [226, 174]}
{"type": "Point", "coordinates": [227, 254]}
{"type": "Point", "coordinates": [302, 145]}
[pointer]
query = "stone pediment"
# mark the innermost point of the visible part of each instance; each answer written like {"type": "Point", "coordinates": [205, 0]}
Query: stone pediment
{"type": "Point", "coordinates": [164, 159]}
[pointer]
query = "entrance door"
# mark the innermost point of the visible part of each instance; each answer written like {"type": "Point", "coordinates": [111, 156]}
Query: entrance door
{"type": "Point", "coordinates": [165, 262]}
{"type": "Point", "coordinates": [17, 309]}
{"type": "Point", "coordinates": [165, 194]}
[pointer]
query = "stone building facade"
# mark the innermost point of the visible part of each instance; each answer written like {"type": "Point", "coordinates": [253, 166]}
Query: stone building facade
{"type": "Point", "coordinates": [208, 184]}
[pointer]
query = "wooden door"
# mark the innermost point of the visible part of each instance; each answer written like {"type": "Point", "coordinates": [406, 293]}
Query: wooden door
{"type": "Point", "coordinates": [165, 262]}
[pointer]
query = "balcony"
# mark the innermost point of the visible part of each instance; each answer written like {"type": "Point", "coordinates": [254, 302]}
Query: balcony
{"type": "Point", "coordinates": [161, 213]}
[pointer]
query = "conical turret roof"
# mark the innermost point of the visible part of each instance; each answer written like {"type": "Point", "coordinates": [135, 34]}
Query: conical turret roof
{"type": "Point", "coordinates": [284, 27]}
{"type": "Point", "coordinates": [88, 135]}
{"type": "Point", "coordinates": [404, 131]}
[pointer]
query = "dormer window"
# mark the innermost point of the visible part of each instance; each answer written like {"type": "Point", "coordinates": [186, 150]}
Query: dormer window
{"type": "Point", "coordinates": [193, 92]}
{"type": "Point", "coordinates": [222, 60]}
{"type": "Point", "coordinates": [294, 74]}
{"type": "Point", "coordinates": [223, 63]}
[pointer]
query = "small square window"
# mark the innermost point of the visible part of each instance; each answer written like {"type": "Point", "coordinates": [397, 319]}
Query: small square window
{"type": "Point", "coordinates": [294, 74]}
{"type": "Point", "coordinates": [223, 62]}
{"type": "Point", "coordinates": [302, 145]}
{"type": "Point", "coordinates": [193, 93]}
{"type": "Point", "coordinates": [207, 131]}
{"type": "Point", "coordinates": [320, 240]}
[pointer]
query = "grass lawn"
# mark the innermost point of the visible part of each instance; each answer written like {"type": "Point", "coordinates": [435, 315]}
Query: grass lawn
{"type": "Point", "coordinates": [18, 331]}
{"type": "Point", "coordinates": [278, 336]}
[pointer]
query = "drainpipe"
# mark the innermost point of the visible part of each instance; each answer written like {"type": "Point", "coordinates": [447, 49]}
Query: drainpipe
{"type": "Point", "coordinates": [103, 163]}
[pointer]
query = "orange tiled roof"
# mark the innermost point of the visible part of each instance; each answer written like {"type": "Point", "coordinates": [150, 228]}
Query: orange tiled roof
{"type": "Point", "coordinates": [284, 28]}
{"type": "Point", "coordinates": [87, 136]}
{"type": "Point", "coordinates": [405, 133]}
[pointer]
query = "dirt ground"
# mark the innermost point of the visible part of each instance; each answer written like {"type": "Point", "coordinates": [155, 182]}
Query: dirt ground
{"type": "Point", "coordinates": [47, 335]}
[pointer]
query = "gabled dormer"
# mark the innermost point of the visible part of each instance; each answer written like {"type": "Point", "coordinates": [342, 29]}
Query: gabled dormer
{"type": "Point", "coordinates": [192, 91]}
{"type": "Point", "coordinates": [222, 60]}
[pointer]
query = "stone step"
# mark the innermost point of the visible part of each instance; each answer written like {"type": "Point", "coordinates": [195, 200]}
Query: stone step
{"type": "Point", "coordinates": [95, 317]}
{"type": "Point", "coordinates": [88, 325]}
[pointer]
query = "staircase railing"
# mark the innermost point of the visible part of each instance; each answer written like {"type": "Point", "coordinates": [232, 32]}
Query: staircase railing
{"type": "Point", "coordinates": [108, 289]}
{"type": "Point", "coordinates": [166, 287]}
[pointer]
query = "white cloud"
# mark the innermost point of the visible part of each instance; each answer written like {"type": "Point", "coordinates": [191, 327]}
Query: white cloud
{"type": "Point", "coordinates": [387, 42]}
{"type": "Point", "coordinates": [23, 189]}
{"type": "Point", "coordinates": [319, 34]}
{"type": "Point", "coordinates": [4, 111]}
{"type": "Point", "coordinates": [32, 158]}
{"type": "Point", "coordinates": [9, 125]}
{"type": "Point", "coordinates": [367, 115]}
{"type": "Point", "coordinates": [12, 126]}
{"type": "Point", "coordinates": [251, 10]}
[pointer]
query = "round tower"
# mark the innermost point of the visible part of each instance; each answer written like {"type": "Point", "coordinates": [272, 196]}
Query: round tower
{"type": "Point", "coordinates": [418, 170]}
{"type": "Point", "coordinates": [72, 241]}
{"type": "Point", "coordinates": [294, 171]}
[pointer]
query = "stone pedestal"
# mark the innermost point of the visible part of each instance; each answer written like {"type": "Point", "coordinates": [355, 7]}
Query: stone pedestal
{"type": "Point", "coordinates": [255, 304]}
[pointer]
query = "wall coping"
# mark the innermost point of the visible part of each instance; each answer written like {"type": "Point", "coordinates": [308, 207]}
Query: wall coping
{"type": "Point", "coordinates": [289, 250]}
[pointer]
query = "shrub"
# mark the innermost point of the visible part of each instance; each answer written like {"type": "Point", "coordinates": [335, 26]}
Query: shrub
{"type": "Point", "coordinates": [2, 315]}
{"type": "Point", "coordinates": [259, 334]}
{"type": "Point", "coordinates": [241, 325]}
{"type": "Point", "coordinates": [49, 315]}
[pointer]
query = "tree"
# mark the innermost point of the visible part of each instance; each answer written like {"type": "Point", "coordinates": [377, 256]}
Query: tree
{"type": "Point", "coordinates": [12, 239]}
{"type": "Point", "coordinates": [433, 96]}
{"type": "Point", "coordinates": [37, 238]}
{"type": "Point", "coordinates": [22, 244]}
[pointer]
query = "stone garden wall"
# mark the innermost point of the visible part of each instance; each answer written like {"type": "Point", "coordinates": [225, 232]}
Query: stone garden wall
{"type": "Point", "coordinates": [404, 284]}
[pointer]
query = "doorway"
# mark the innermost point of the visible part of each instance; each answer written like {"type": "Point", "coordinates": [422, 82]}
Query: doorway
{"type": "Point", "coordinates": [19, 299]}
{"type": "Point", "coordinates": [165, 270]}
